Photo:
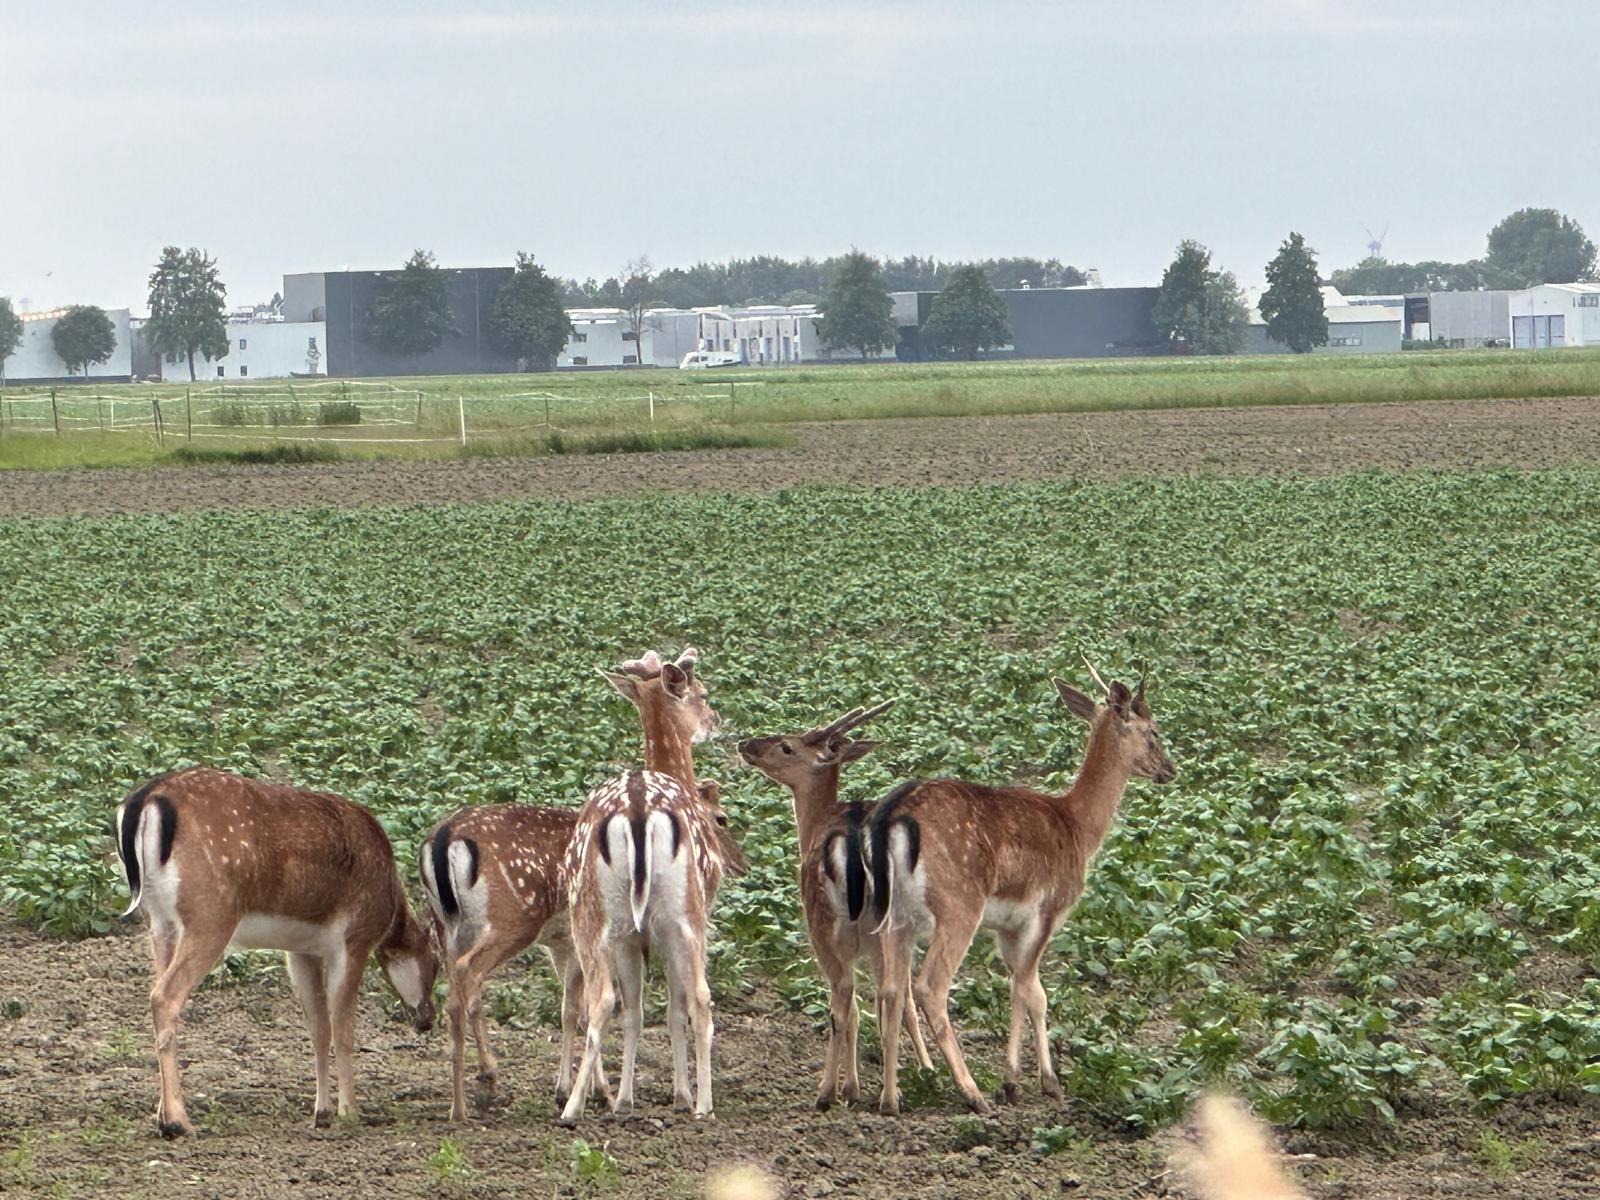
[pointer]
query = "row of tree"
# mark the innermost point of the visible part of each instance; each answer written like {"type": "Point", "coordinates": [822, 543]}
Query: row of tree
{"type": "Point", "coordinates": [1531, 246]}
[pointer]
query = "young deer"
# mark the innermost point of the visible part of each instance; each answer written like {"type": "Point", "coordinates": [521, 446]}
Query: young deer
{"type": "Point", "coordinates": [643, 868]}
{"type": "Point", "coordinates": [833, 883]}
{"type": "Point", "coordinates": [493, 877]}
{"type": "Point", "coordinates": [948, 858]}
{"type": "Point", "coordinates": [213, 858]}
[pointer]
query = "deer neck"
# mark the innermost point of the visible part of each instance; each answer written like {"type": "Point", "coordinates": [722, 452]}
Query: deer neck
{"type": "Point", "coordinates": [1091, 803]}
{"type": "Point", "coordinates": [815, 803]}
{"type": "Point", "coordinates": [666, 749]}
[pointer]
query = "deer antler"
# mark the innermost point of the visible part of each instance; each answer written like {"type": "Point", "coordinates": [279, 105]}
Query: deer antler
{"type": "Point", "coordinates": [1104, 686]}
{"type": "Point", "coordinates": [688, 659]}
{"type": "Point", "coordinates": [1138, 695]}
{"type": "Point", "coordinates": [856, 716]}
{"type": "Point", "coordinates": [648, 666]}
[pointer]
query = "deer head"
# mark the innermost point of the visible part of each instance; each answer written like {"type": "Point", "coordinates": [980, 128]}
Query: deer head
{"type": "Point", "coordinates": [794, 759]}
{"type": "Point", "coordinates": [1125, 718]}
{"type": "Point", "coordinates": [410, 962]}
{"type": "Point", "coordinates": [670, 691]}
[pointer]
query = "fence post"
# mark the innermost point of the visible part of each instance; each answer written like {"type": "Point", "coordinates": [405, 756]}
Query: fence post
{"type": "Point", "coordinates": [99, 413]}
{"type": "Point", "coordinates": [418, 421]}
{"type": "Point", "coordinates": [55, 413]}
{"type": "Point", "coordinates": [188, 414]}
{"type": "Point", "coordinates": [155, 409]}
{"type": "Point", "coordinates": [652, 407]}
{"type": "Point", "coordinates": [547, 414]}
{"type": "Point", "coordinates": [461, 405]}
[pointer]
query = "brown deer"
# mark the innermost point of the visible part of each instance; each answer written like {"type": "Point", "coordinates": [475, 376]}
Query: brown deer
{"type": "Point", "coordinates": [213, 858]}
{"type": "Point", "coordinates": [643, 869]}
{"type": "Point", "coordinates": [493, 878]}
{"type": "Point", "coordinates": [833, 883]}
{"type": "Point", "coordinates": [949, 858]}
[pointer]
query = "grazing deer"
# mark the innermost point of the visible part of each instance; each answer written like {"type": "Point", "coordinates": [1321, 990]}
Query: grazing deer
{"type": "Point", "coordinates": [213, 858]}
{"type": "Point", "coordinates": [833, 883]}
{"type": "Point", "coordinates": [643, 869]}
{"type": "Point", "coordinates": [493, 877]}
{"type": "Point", "coordinates": [949, 857]}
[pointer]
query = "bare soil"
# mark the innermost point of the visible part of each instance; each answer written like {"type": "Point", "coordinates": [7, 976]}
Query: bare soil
{"type": "Point", "coordinates": [1309, 439]}
{"type": "Point", "coordinates": [78, 1087]}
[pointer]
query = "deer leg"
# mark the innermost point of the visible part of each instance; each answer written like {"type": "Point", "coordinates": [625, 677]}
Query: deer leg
{"type": "Point", "coordinates": [343, 974]}
{"type": "Point", "coordinates": [952, 935]}
{"type": "Point", "coordinates": [1033, 995]}
{"type": "Point", "coordinates": [678, 1035]}
{"type": "Point", "coordinates": [914, 1031]}
{"type": "Point", "coordinates": [190, 956]}
{"type": "Point", "coordinates": [686, 959]}
{"type": "Point", "coordinates": [893, 980]}
{"type": "Point", "coordinates": [305, 977]}
{"type": "Point", "coordinates": [600, 995]}
{"type": "Point", "coordinates": [628, 961]}
{"type": "Point", "coordinates": [841, 1007]}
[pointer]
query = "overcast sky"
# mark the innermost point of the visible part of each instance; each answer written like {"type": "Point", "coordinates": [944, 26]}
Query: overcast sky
{"type": "Point", "coordinates": [285, 136]}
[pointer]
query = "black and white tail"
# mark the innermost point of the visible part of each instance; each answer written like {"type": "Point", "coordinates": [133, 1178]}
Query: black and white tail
{"type": "Point", "coordinates": [131, 814]}
{"type": "Point", "coordinates": [880, 859]}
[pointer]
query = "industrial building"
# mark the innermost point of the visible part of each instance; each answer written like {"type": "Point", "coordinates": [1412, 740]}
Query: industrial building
{"type": "Point", "coordinates": [257, 349]}
{"type": "Point", "coordinates": [35, 359]}
{"type": "Point", "coordinates": [1553, 315]}
{"type": "Point", "coordinates": [1470, 320]}
{"type": "Point", "coordinates": [1356, 324]}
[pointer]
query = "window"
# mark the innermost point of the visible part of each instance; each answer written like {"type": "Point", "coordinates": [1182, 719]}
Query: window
{"type": "Point", "coordinates": [172, 358]}
{"type": "Point", "coordinates": [580, 360]}
{"type": "Point", "coordinates": [630, 336]}
{"type": "Point", "coordinates": [243, 370]}
{"type": "Point", "coordinates": [221, 371]}
{"type": "Point", "coordinates": [629, 360]}
{"type": "Point", "coordinates": [242, 344]}
{"type": "Point", "coordinates": [1345, 341]}
{"type": "Point", "coordinates": [1591, 300]}
{"type": "Point", "coordinates": [580, 337]}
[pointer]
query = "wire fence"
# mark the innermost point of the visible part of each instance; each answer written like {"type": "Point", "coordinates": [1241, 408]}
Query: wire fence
{"type": "Point", "coordinates": [354, 412]}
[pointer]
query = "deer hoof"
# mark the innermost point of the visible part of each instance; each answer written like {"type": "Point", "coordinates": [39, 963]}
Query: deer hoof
{"type": "Point", "coordinates": [980, 1106]}
{"type": "Point", "coordinates": [322, 1118]}
{"type": "Point", "coordinates": [1008, 1094]}
{"type": "Point", "coordinates": [824, 1103]}
{"type": "Point", "coordinates": [1050, 1086]}
{"type": "Point", "coordinates": [888, 1107]}
{"type": "Point", "coordinates": [174, 1129]}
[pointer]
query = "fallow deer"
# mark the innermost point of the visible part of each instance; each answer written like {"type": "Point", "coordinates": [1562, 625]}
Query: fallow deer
{"type": "Point", "coordinates": [643, 868]}
{"type": "Point", "coordinates": [493, 878]}
{"type": "Point", "coordinates": [949, 857]}
{"type": "Point", "coordinates": [213, 858]}
{"type": "Point", "coordinates": [833, 883]}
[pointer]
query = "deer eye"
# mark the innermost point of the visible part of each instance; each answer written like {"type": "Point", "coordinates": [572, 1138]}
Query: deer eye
{"type": "Point", "coordinates": [786, 747]}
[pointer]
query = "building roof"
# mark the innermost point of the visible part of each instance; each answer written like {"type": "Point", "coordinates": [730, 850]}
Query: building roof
{"type": "Point", "coordinates": [1575, 288]}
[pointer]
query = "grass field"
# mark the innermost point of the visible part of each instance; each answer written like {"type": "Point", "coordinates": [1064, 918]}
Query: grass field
{"type": "Point", "coordinates": [517, 413]}
{"type": "Point", "coordinates": [1371, 894]}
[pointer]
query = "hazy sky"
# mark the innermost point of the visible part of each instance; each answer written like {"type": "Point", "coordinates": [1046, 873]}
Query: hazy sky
{"type": "Point", "coordinates": [287, 136]}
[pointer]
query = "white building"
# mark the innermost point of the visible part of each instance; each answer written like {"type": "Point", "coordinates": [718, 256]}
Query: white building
{"type": "Point", "coordinates": [761, 335]}
{"type": "Point", "coordinates": [1470, 320]}
{"type": "Point", "coordinates": [258, 350]}
{"type": "Point", "coordinates": [1356, 324]}
{"type": "Point", "coordinates": [1552, 315]}
{"type": "Point", "coordinates": [35, 359]}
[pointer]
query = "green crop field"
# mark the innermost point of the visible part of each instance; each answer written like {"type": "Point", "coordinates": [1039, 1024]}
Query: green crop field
{"type": "Point", "coordinates": [519, 413]}
{"type": "Point", "coordinates": [1375, 884]}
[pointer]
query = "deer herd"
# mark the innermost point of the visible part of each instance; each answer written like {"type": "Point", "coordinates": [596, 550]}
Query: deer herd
{"type": "Point", "coordinates": [214, 859]}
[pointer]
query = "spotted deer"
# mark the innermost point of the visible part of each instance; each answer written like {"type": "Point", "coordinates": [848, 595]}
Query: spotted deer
{"type": "Point", "coordinates": [213, 858]}
{"type": "Point", "coordinates": [493, 878]}
{"type": "Point", "coordinates": [833, 880]}
{"type": "Point", "coordinates": [948, 858]}
{"type": "Point", "coordinates": [643, 869]}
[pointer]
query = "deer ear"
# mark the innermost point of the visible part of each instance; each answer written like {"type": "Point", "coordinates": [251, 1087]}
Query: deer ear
{"type": "Point", "coordinates": [1119, 697]}
{"type": "Point", "coordinates": [1077, 703]}
{"type": "Point", "coordinates": [857, 749]}
{"type": "Point", "coordinates": [675, 679]}
{"type": "Point", "coordinates": [627, 685]}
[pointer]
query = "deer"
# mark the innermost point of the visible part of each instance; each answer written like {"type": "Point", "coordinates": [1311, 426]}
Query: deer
{"type": "Point", "coordinates": [948, 858]}
{"type": "Point", "coordinates": [213, 859]}
{"type": "Point", "coordinates": [643, 869]}
{"type": "Point", "coordinates": [833, 883]}
{"type": "Point", "coordinates": [492, 874]}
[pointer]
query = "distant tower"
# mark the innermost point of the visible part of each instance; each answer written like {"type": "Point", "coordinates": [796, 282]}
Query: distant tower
{"type": "Point", "coordinates": [1375, 246]}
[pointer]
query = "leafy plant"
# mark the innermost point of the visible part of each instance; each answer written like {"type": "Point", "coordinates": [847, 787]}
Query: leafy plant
{"type": "Point", "coordinates": [592, 1165]}
{"type": "Point", "coordinates": [449, 1164]}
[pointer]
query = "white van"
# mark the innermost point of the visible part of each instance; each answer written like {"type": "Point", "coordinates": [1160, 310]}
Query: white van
{"type": "Point", "coordinates": [700, 360]}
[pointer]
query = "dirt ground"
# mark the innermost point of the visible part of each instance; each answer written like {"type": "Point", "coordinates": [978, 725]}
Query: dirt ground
{"type": "Point", "coordinates": [78, 1087]}
{"type": "Point", "coordinates": [935, 450]}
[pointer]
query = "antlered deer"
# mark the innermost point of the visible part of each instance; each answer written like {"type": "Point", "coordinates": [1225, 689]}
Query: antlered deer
{"type": "Point", "coordinates": [493, 877]}
{"type": "Point", "coordinates": [949, 858]}
{"type": "Point", "coordinates": [833, 882]}
{"type": "Point", "coordinates": [213, 858]}
{"type": "Point", "coordinates": [643, 868]}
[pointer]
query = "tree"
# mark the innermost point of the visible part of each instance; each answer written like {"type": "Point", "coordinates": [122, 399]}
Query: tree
{"type": "Point", "coordinates": [83, 335]}
{"type": "Point", "coordinates": [1538, 245]}
{"type": "Point", "coordinates": [968, 316]}
{"type": "Point", "coordinates": [856, 309]}
{"type": "Point", "coordinates": [636, 292]}
{"type": "Point", "coordinates": [527, 319]}
{"type": "Point", "coordinates": [186, 306]}
{"type": "Point", "coordinates": [411, 316]}
{"type": "Point", "coordinates": [10, 334]}
{"type": "Point", "coordinates": [1374, 276]}
{"type": "Point", "coordinates": [1292, 303]}
{"type": "Point", "coordinates": [1200, 306]}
